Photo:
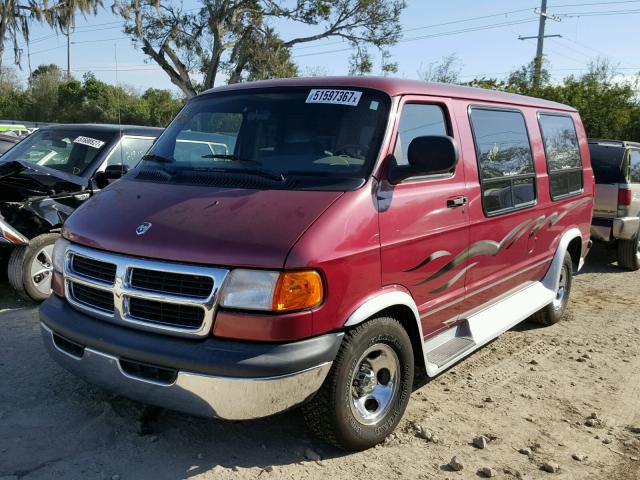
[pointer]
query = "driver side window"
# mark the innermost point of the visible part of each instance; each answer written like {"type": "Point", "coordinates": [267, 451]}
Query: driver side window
{"type": "Point", "coordinates": [418, 120]}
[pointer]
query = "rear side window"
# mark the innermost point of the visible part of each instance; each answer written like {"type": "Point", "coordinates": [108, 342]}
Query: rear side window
{"type": "Point", "coordinates": [418, 120]}
{"type": "Point", "coordinates": [607, 162]}
{"type": "Point", "coordinates": [130, 151]}
{"type": "Point", "coordinates": [564, 163]}
{"type": "Point", "coordinates": [505, 162]}
{"type": "Point", "coordinates": [634, 166]}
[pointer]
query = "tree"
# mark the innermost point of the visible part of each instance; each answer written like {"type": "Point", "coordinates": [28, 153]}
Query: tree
{"type": "Point", "coordinates": [16, 17]}
{"type": "Point", "coordinates": [44, 83]}
{"type": "Point", "coordinates": [236, 38]}
{"type": "Point", "coordinates": [447, 70]}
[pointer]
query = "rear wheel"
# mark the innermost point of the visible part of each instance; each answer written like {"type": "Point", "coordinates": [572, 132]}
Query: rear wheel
{"type": "Point", "coordinates": [30, 268]}
{"type": "Point", "coordinates": [553, 312]}
{"type": "Point", "coordinates": [368, 388]}
{"type": "Point", "coordinates": [629, 253]}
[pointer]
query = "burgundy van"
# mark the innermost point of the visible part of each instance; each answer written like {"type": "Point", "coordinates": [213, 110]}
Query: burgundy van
{"type": "Point", "coordinates": [315, 241]}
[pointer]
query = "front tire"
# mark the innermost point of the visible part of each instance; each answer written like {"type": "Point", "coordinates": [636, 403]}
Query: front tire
{"type": "Point", "coordinates": [368, 388]}
{"type": "Point", "coordinates": [553, 312]}
{"type": "Point", "coordinates": [629, 253]}
{"type": "Point", "coordinates": [30, 268]}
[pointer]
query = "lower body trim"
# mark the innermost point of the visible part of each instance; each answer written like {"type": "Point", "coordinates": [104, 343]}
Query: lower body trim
{"type": "Point", "coordinates": [229, 398]}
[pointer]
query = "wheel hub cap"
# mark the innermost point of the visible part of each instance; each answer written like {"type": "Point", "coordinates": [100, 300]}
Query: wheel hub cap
{"type": "Point", "coordinates": [375, 384]}
{"type": "Point", "coordinates": [41, 270]}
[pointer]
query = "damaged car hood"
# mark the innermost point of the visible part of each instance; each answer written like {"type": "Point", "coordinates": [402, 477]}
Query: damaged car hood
{"type": "Point", "coordinates": [21, 180]}
{"type": "Point", "coordinates": [35, 199]}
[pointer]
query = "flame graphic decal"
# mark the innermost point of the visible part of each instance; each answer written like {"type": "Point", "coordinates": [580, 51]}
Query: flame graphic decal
{"type": "Point", "coordinates": [489, 247]}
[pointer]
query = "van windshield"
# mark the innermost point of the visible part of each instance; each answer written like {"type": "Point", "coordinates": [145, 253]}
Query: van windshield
{"type": "Point", "coordinates": [69, 151]}
{"type": "Point", "coordinates": [298, 138]}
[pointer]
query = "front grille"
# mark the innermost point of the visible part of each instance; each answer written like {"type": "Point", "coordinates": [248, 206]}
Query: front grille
{"type": "Point", "coordinates": [93, 297]}
{"type": "Point", "coordinates": [148, 372]}
{"type": "Point", "coordinates": [153, 295]}
{"type": "Point", "coordinates": [91, 268]}
{"type": "Point", "coordinates": [171, 314]}
{"type": "Point", "coordinates": [174, 283]}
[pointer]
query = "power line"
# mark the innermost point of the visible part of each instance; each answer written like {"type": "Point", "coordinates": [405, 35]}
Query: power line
{"type": "Point", "coordinates": [435, 35]}
{"type": "Point", "coordinates": [434, 25]}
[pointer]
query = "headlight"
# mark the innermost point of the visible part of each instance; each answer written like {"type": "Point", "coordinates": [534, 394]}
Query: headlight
{"type": "Point", "coordinates": [59, 252]}
{"type": "Point", "coordinates": [272, 291]}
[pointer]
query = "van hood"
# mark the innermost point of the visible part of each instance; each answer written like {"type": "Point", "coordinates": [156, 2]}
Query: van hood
{"type": "Point", "coordinates": [203, 225]}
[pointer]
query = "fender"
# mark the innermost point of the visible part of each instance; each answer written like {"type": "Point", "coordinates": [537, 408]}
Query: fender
{"type": "Point", "coordinates": [379, 302]}
{"type": "Point", "coordinates": [552, 277]}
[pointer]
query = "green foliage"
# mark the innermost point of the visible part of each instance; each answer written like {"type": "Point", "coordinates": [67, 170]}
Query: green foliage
{"type": "Point", "coordinates": [237, 39]}
{"type": "Point", "coordinates": [608, 103]}
{"type": "Point", "coordinates": [51, 97]}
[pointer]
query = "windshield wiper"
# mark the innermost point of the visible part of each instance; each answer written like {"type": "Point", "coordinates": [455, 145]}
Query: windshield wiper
{"type": "Point", "coordinates": [157, 158]}
{"type": "Point", "coordinates": [261, 172]}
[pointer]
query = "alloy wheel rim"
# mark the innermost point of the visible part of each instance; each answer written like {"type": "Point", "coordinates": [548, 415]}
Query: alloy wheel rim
{"type": "Point", "coordinates": [562, 289]}
{"type": "Point", "coordinates": [375, 384]}
{"type": "Point", "coordinates": [41, 271]}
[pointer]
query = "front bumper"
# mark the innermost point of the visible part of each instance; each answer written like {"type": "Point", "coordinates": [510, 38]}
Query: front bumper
{"type": "Point", "coordinates": [212, 378]}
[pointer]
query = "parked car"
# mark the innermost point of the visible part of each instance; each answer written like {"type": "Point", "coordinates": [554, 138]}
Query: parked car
{"type": "Point", "coordinates": [44, 178]}
{"type": "Point", "coordinates": [357, 229]}
{"type": "Point", "coordinates": [616, 214]}
{"type": "Point", "coordinates": [14, 129]}
{"type": "Point", "coordinates": [6, 142]}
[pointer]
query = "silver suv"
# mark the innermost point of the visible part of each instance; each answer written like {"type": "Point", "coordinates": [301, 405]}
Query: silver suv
{"type": "Point", "coordinates": [616, 166]}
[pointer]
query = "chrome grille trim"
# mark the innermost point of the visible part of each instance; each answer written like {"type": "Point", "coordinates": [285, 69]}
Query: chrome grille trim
{"type": "Point", "coordinates": [122, 290]}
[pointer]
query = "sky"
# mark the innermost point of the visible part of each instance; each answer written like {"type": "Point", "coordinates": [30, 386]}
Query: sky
{"type": "Point", "coordinates": [482, 34]}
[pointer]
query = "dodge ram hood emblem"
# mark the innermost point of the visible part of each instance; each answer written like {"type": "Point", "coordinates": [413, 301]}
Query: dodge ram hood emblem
{"type": "Point", "coordinates": [144, 228]}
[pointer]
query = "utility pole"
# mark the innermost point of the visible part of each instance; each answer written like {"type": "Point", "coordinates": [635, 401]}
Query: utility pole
{"type": "Point", "coordinates": [538, 60]}
{"type": "Point", "coordinates": [68, 52]}
{"type": "Point", "coordinates": [537, 63]}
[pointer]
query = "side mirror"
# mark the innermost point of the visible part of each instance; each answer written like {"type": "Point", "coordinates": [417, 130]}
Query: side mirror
{"type": "Point", "coordinates": [111, 173]}
{"type": "Point", "coordinates": [428, 155]}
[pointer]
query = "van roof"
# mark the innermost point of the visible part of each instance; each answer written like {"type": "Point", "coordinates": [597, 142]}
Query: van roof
{"type": "Point", "coordinates": [394, 87]}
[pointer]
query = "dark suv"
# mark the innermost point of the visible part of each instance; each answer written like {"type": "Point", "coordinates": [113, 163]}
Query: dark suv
{"type": "Point", "coordinates": [616, 213]}
{"type": "Point", "coordinates": [44, 178]}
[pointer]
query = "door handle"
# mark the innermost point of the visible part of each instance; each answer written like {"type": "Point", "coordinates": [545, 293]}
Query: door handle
{"type": "Point", "coordinates": [456, 202]}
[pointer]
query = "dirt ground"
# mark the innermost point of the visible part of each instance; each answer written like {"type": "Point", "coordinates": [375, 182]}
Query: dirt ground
{"type": "Point", "coordinates": [533, 388]}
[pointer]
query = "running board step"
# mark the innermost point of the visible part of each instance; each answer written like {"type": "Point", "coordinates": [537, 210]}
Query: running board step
{"type": "Point", "coordinates": [450, 350]}
{"type": "Point", "coordinates": [452, 345]}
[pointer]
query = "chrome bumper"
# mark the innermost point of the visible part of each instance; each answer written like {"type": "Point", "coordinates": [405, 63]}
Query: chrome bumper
{"type": "Point", "coordinates": [625, 228]}
{"type": "Point", "coordinates": [227, 398]}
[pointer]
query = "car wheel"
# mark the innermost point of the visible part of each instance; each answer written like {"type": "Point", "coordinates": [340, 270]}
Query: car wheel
{"type": "Point", "coordinates": [629, 253]}
{"type": "Point", "coordinates": [368, 387]}
{"type": "Point", "coordinates": [553, 312]}
{"type": "Point", "coordinates": [30, 268]}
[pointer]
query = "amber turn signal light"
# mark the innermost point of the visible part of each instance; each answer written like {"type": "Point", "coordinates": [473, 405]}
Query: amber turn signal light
{"type": "Point", "coordinates": [297, 291]}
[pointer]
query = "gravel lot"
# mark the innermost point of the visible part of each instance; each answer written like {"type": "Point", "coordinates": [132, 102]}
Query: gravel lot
{"type": "Point", "coordinates": [550, 393]}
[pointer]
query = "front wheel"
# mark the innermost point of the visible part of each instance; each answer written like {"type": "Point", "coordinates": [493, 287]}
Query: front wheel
{"type": "Point", "coordinates": [30, 268]}
{"type": "Point", "coordinates": [368, 388]}
{"type": "Point", "coordinates": [553, 312]}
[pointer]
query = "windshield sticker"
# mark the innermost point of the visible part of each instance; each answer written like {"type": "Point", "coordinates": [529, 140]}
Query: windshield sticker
{"type": "Point", "coordinates": [90, 142]}
{"type": "Point", "coordinates": [335, 97]}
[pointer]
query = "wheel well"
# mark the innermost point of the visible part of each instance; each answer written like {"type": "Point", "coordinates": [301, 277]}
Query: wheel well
{"type": "Point", "coordinates": [575, 250]}
{"type": "Point", "coordinates": [407, 319]}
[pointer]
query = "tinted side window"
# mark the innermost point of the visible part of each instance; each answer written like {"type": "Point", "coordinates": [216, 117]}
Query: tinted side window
{"type": "Point", "coordinates": [564, 163]}
{"type": "Point", "coordinates": [418, 120]}
{"type": "Point", "coordinates": [634, 166]}
{"type": "Point", "coordinates": [130, 151]}
{"type": "Point", "coordinates": [505, 162]}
